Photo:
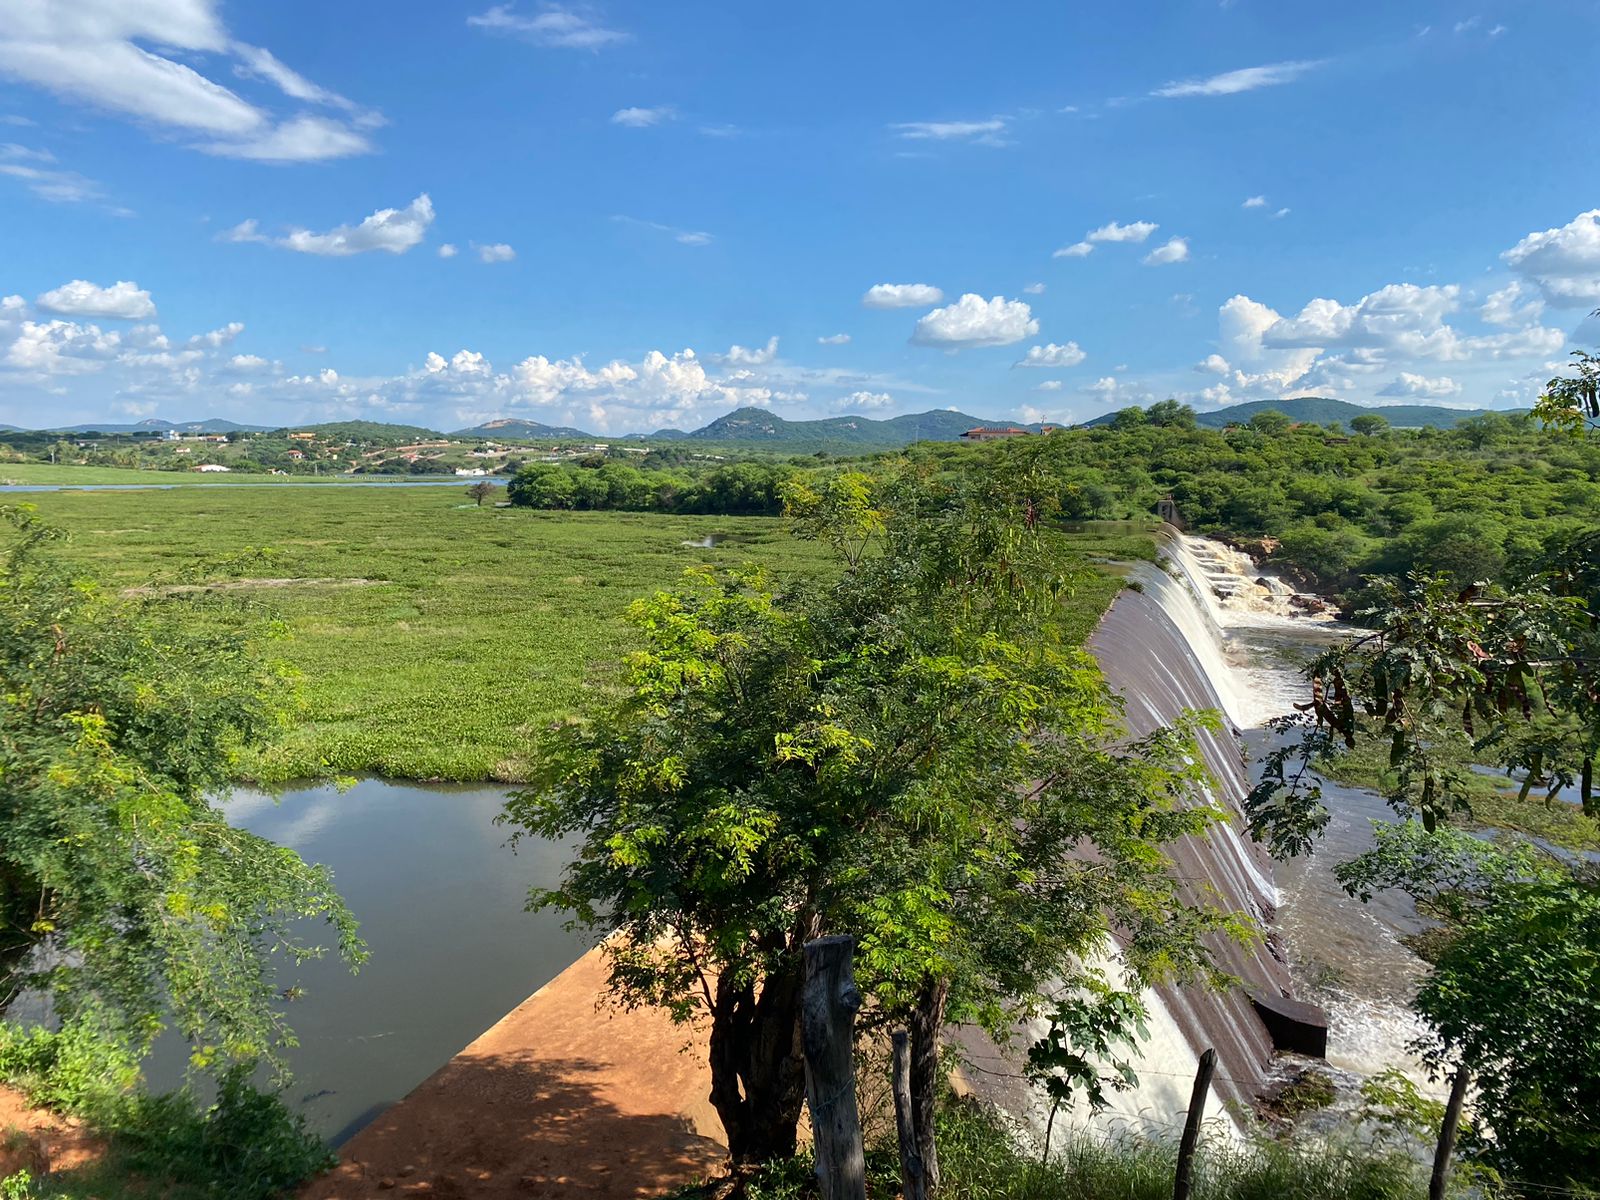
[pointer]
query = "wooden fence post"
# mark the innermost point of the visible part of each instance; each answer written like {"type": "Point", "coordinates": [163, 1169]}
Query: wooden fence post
{"type": "Point", "coordinates": [828, 1006]}
{"type": "Point", "coordinates": [1191, 1126]}
{"type": "Point", "coordinates": [1447, 1134]}
{"type": "Point", "coordinates": [914, 1185]}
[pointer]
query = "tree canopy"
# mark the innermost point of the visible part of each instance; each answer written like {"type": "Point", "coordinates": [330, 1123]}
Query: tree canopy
{"type": "Point", "coordinates": [123, 888]}
{"type": "Point", "coordinates": [907, 751]}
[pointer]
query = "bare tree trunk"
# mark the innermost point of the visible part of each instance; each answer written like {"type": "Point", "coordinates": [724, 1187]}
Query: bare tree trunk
{"type": "Point", "coordinates": [1447, 1134]}
{"type": "Point", "coordinates": [828, 1025]}
{"type": "Point", "coordinates": [913, 1183]}
{"type": "Point", "coordinates": [758, 1067]}
{"type": "Point", "coordinates": [927, 1026]}
{"type": "Point", "coordinates": [1191, 1125]}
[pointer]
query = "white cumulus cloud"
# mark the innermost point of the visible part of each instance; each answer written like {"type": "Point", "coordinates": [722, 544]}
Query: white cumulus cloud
{"type": "Point", "coordinates": [642, 118]}
{"type": "Point", "coordinates": [1173, 250]}
{"type": "Point", "coordinates": [974, 321]}
{"type": "Point", "coordinates": [494, 252]}
{"type": "Point", "coordinates": [1408, 383]}
{"type": "Point", "coordinates": [858, 402]}
{"type": "Point", "coordinates": [1111, 231]}
{"type": "Point", "coordinates": [1052, 355]}
{"type": "Point", "coordinates": [1513, 306]}
{"type": "Point", "coordinates": [901, 295]}
{"type": "Point", "coordinates": [834, 339]}
{"type": "Point", "coordinates": [124, 299]}
{"type": "Point", "coordinates": [392, 230]}
{"type": "Point", "coordinates": [1564, 262]}
{"type": "Point", "coordinates": [760, 356]}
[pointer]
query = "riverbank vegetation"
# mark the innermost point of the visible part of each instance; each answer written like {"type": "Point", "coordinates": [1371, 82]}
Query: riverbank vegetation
{"type": "Point", "coordinates": [128, 903]}
{"type": "Point", "coordinates": [1474, 502]}
{"type": "Point", "coordinates": [1509, 677]}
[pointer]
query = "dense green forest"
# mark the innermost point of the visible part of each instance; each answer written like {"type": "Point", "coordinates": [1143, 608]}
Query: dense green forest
{"type": "Point", "coordinates": [1477, 502]}
{"type": "Point", "coordinates": [1473, 501]}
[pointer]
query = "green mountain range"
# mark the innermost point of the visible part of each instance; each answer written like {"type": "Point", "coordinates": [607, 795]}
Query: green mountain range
{"type": "Point", "coordinates": [152, 425]}
{"type": "Point", "coordinates": [756, 427]}
{"type": "Point", "coordinates": [516, 429]}
{"type": "Point", "coordinates": [1320, 410]}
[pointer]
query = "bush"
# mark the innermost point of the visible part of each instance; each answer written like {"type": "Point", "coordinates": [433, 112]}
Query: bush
{"type": "Point", "coordinates": [245, 1145]}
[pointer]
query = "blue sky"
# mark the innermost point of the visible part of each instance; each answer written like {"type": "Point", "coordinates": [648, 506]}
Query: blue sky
{"type": "Point", "coordinates": [627, 216]}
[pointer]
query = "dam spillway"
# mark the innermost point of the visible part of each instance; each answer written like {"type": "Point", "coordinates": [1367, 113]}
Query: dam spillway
{"type": "Point", "coordinates": [1167, 646]}
{"type": "Point", "coordinates": [1156, 650]}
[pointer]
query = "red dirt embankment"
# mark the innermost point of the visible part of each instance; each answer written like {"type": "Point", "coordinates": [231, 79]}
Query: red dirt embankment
{"type": "Point", "coordinates": [37, 1141]}
{"type": "Point", "coordinates": [560, 1098]}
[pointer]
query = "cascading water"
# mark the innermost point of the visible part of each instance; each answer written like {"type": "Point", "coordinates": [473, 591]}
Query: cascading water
{"type": "Point", "coordinates": [1345, 955]}
{"type": "Point", "coordinates": [1207, 629]}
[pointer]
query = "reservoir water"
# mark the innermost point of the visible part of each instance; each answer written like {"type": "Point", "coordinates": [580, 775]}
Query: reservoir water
{"type": "Point", "coordinates": [440, 899]}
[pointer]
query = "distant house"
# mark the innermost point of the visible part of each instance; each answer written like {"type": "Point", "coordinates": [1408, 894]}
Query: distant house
{"type": "Point", "coordinates": [471, 471]}
{"type": "Point", "coordinates": [993, 433]}
{"type": "Point", "coordinates": [302, 437]}
{"type": "Point", "coordinates": [212, 468]}
{"type": "Point", "coordinates": [297, 454]}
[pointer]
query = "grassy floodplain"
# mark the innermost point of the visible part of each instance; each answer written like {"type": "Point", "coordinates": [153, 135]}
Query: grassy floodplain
{"type": "Point", "coordinates": [73, 475]}
{"type": "Point", "coordinates": [432, 635]}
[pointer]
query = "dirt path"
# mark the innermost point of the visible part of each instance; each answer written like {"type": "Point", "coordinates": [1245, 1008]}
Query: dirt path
{"type": "Point", "coordinates": [557, 1099]}
{"type": "Point", "coordinates": [39, 1142]}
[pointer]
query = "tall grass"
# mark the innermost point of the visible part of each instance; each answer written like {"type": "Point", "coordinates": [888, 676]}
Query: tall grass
{"type": "Point", "coordinates": [980, 1161]}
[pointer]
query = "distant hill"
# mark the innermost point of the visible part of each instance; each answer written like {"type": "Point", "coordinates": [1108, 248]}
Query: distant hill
{"type": "Point", "coordinates": [366, 431]}
{"type": "Point", "coordinates": [1320, 410]}
{"type": "Point", "coordinates": [757, 426]}
{"type": "Point", "coordinates": [151, 425]}
{"type": "Point", "coordinates": [515, 427]}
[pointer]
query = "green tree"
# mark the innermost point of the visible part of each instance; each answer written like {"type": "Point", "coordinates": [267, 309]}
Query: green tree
{"type": "Point", "coordinates": [1572, 401]}
{"type": "Point", "coordinates": [123, 889]}
{"type": "Point", "coordinates": [1170, 412]}
{"type": "Point", "coordinates": [1270, 421]}
{"type": "Point", "coordinates": [1511, 998]}
{"type": "Point", "coordinates": [905, 751]}
{"type": "Point", "coordinates": [1514, 991]}
{"type": "Point", "coordinates": [1369, 424]}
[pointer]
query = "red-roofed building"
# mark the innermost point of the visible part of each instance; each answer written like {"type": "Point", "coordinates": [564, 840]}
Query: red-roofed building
{"type": "Point", "coordinates": [990, 433]}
